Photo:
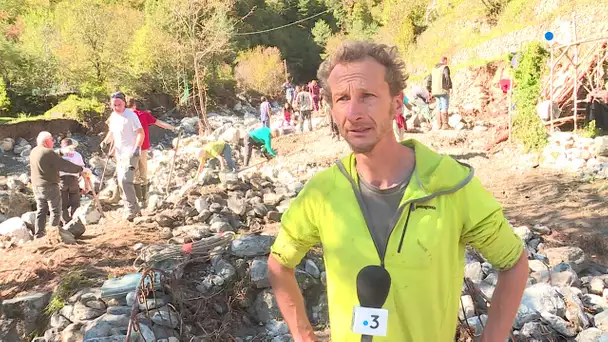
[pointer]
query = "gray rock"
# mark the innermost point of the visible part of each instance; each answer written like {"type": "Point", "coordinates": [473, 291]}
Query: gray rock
{"type": "Point", "coordinates": [274, 216]}
{"type": "Point", "coordinates": [97, 329]}
{"type": "Point", "coordinates": [282, 338]}
{"type": "Point", "coordinates": [276, 328]}
{"type": "Point", "coordinates": [88, 213]}
{"type": "Point", "coordinates": [16, 229]}
{"type": "Point", "coordinates": [223, 269]}
{"type": "Point", "coordinates": [601, 146]}
{"type": "Point", "coordinates": [537, 266]}
{"type": "Point", "coordinates": [596, 286]}
{"type": "Point", "coordinates": [14, 204]}
{"type": "Point", "coordinates": [9, 331]}
{"type": "Point", "coordinates": [164, 333]}
{"type": "Point", "coordinates": [58, 321]}
{"type": "Point", "coordinates": [260, 209]}
{"type": "Point", "coordinates": [13, 183]}
{"type": "Point", "coordinates": [525, 315]}
{"type": "Point", "coordinates": [311, 268]}
{"type": "Point", "coordinates": [201, 205]}
{"type": "Point", "coordinates": [559, 324]}
{"type": "Point", "coordinates": [536, 331]}
{"type": "Point", "coordinates": [283, 205]}
{"type": "Point", "coordinates": [251, 245]}
{"type": "Point", "coordinates": [466, 307]}
{"type": "Point", "coordinates": [565, 278]}
{"type": "Point", "coordinates": [52, 334]}
{"type": "Point", "coordinates": [265, 307]}
{"type": "Point", "coordinates": [540, 229]}
{"type": "Point", "coordinates": [543, 298]}
{"type": "Point", "coordinates": [592, 335]}
{"type": "Point", "coordinates": [215, 207]}
{"type": "Point", "coordinates": [594, 302]}
{"type": "Point", "coordinates": [161, 300]}
{"type": "Point", "coordinates": [27, 309]}
{"type": "Point", "coordinates": [221, 226]}
{"type": "Point", "coordinates": [601, 321]}
{"type": "Point", "coordinates": [72, 333]}
{"type": "Point", "coordinates": [575, 310]}
{"type": "Point", "coordinates": [524, 233]}
{"type": "Point", "coordinates": [29, 219]}
{"type": "Point", "coordinates": [259, 273]}
{"type": "Point", "coordinates": [272, 198]}
{"type": "Point", "coordinates": [473, 271]}
{"type": "Point", "coordinates": [115, 320]}
{"type": "Point", "coordinates": [79, 312]}
{"type": "Point", "coordinates": [165, 317]}
{"type": "Point", "coordinates": [571, 255]}
{"type": "Point", "coordinates": [76, 227]}
{"type": "Point", "coordinates": [237, 205]}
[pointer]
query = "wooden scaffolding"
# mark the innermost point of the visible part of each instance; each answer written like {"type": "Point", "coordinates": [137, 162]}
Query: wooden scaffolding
{"type": "Point", "coordinates": [577, 70]}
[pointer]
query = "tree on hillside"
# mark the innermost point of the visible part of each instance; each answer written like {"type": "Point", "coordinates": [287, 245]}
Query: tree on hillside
{"type": "Point", "coordinates": [201, 31]}
{"type": "Point", "coordinates": [94, 37]}
{"type": "Point", "coordinates": [260, 70]}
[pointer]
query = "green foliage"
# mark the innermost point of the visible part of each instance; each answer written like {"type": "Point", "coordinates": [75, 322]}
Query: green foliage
{"type": "Point", "coordinates": [69, 285]}
{"type": "Point", "coordinates": [321, 32]}
{"type": "Point", "coordinates": [589, 130]}
{"type": "Point", "coordinates": [260, 70]}
{"type": "Point", "coordinates": [83, 110]}
{"type": "Point", "coordinates": [5, 102]}
{"type": "Point", "coordinates": [528, 128]}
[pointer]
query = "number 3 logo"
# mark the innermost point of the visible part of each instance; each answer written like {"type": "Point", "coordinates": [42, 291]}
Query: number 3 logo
{"type": "Point", "coordinates": [375, 324]}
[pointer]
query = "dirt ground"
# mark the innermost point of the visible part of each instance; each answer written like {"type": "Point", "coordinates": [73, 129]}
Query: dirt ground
{"type": "Point", "coordinates": [576, 211]}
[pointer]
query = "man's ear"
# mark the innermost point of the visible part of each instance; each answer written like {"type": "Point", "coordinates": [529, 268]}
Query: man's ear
{"type": "Point", "coordinates": [398, 102]}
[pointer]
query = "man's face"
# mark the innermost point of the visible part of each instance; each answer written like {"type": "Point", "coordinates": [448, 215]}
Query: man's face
{"type": "Point", "coordinates": [118, 105]}
{"type": "Point", "coordinates": [362, 105]}
{"type": "Point", "coordinates": [49, 143]}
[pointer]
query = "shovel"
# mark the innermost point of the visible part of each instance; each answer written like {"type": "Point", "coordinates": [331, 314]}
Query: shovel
{"type": "Point", "coordinates": [179, 136]}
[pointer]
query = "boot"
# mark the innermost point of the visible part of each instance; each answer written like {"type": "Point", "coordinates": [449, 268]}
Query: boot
{"type": "Point", "coordinates": [144, 194]}
{"type": "Point", "coordinates": [444, 119]}
{"type": "Point", "coordinates": [138, 192]}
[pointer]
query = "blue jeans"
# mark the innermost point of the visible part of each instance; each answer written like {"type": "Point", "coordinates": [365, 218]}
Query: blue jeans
{"type": "Point", "coordinates": [227, 152]}
{"type": "Point", "coordinates": [443, 102]}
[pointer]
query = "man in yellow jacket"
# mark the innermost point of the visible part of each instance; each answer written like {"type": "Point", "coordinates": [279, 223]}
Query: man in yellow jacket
{"type": "Point", "coordinates": [397, 208]}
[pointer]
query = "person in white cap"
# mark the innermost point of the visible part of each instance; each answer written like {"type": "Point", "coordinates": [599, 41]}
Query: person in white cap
{"type": "Point", "coordinates": [126, 132]}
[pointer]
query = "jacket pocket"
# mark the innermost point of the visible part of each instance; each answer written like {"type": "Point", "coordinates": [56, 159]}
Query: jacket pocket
{"type": "Point", "coordinates": [420, 242]}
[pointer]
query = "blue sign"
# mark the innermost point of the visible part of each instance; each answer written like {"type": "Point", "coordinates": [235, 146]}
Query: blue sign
{"type": "Point", "coordinates": [549, 35]}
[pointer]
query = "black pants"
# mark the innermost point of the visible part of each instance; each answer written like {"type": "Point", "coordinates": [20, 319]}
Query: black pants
{"type": "Point", "coordinates": [70, 197]}
{"type": "Point", "coordinates": [249, 145]}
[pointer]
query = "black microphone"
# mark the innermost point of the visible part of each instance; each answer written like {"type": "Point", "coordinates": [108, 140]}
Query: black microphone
{"type": "Point", "coordinates": [373, 285]}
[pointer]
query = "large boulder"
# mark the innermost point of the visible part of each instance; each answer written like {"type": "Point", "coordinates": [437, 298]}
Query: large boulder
{"type": "Point", "coordinates": [88, 214]}
{"type": "Point", "coordinates": [76, 227]}
{"type": "Point", "coordinates": [16, 229]}
{"type": "Point", "coordinates": [29, 219]}
{"type": "Point", "coordinates": [27, 309]}
{"type": "Point", "coordinates": [573, 256]}
{"type": "Point", "coordinates": [251, 245]}
{"type": "Point", "coordinates": [14, 203]}
{"type": "Point", "coordinates": [601, 146]}
{"type": "Point", "coordinates": [7, 144]}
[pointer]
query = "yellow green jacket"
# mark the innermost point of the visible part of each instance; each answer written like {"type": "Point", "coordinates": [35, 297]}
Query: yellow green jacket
{"type": "Point", "coordinates": [447, 207]}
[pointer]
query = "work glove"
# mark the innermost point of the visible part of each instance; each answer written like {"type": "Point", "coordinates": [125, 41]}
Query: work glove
{"type": "Point", "coordinates": [137, 151]}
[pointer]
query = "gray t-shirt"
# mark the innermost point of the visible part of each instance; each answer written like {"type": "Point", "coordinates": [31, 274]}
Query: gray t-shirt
{"type": "Point", "coordinates": [381, 204]}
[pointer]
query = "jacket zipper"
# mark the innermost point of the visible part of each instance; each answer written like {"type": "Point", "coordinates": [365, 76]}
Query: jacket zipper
{"type": "Point", "coordinates": [407, 220]}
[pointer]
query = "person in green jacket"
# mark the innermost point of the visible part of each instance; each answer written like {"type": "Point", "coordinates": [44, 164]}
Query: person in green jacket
{"type": "Point", "coordinates": [390, 209]}
{"type": "Point", "coordinates": [260, 137]}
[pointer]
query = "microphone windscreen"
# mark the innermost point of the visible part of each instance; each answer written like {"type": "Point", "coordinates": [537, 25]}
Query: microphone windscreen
{"type": "Point", "coordinates": [373, 285]}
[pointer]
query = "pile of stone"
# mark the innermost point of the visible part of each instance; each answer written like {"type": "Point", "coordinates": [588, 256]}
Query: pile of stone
{"type": "Point", "coordinates": [91, 316]}
{"type": "Point", "coordinates": [20, 147]}
{"type": "Point", "coordinates": [567, 151]}
{"type": "Point", "coordinates": [565, 298]}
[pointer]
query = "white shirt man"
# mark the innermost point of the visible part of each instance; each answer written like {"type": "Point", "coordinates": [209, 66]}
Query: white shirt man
{"type": "Point", "coordinates": [125, 130]}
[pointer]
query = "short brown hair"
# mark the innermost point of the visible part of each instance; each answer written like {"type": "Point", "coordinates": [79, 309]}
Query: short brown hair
{"type": "Point", "coordinates": [354, 51]}
{"type": "Point", "coordinates": [131, 102]}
